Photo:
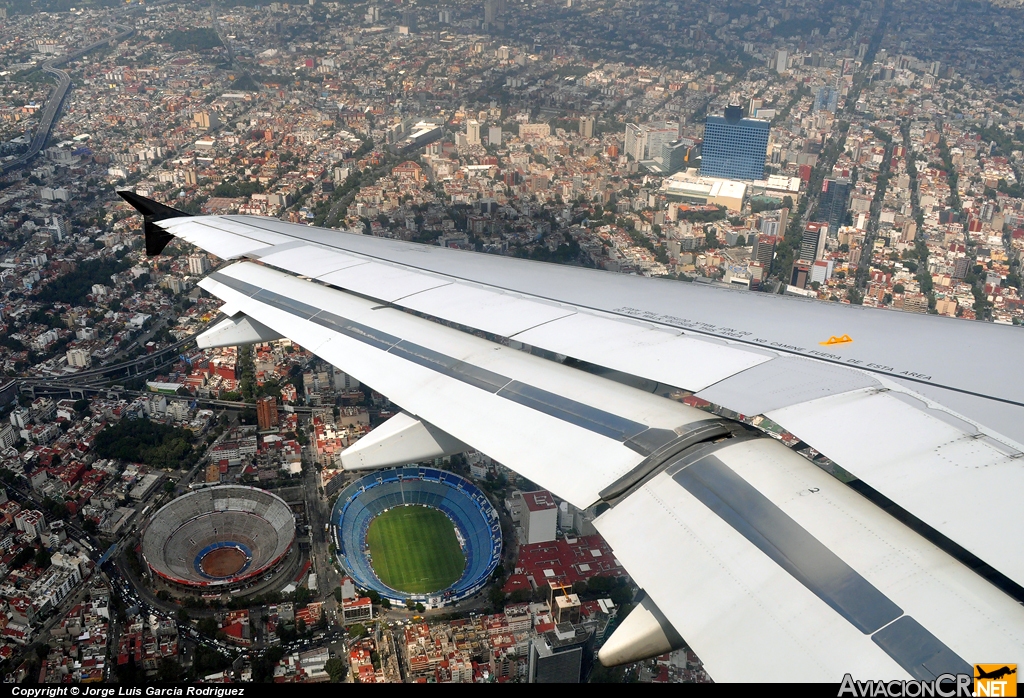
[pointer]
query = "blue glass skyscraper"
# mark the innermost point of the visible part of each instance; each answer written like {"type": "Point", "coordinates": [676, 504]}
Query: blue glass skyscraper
{"type": "Point", "coordinates": [734, 147]}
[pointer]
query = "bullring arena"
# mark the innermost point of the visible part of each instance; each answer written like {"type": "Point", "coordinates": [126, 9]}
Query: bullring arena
{"type": "Point", "coordinates": [219, 536]}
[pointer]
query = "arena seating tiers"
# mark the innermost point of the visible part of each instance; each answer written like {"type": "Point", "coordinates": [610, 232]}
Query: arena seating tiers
{"type": "Point", "coordinates": [458, 498]}
{"type": "Point", "coordinates": [180, 533]}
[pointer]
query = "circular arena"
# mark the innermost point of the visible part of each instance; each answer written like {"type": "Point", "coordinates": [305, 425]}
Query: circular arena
{"type": "Point", "coordinates": [218, 536]}
{"type": "Point", "coordinates": [475, 521]}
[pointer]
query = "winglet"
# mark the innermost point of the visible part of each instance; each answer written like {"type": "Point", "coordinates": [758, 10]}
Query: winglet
{"type": "Point", "coordinates": [152, 213]}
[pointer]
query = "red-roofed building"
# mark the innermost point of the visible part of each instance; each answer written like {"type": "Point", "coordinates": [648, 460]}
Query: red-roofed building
{"type": "Point", "coordinates": [237, 633]}
{"type": "Point", "coordinates": [567, 561]}
{"type": "Point", "coordinates": [517, 582]}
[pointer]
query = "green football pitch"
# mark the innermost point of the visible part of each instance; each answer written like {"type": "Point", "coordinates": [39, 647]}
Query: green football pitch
{"type": "Point", "coordinates": [414, 549]}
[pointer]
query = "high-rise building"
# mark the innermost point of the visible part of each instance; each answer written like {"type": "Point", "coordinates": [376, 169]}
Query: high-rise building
{"type": "Point", "coordinates": [409, 19]}
{"type": "Point", "coordinates": [562, 655]}
{"type": "Point", "coordinates": [827, 99]}
{"type": "Point", "coordinates": [587, 126]}
{"type": "Point", "coordinates": [473, 132]}
{"type": "Point", "coordinates": [801, 274]}
{"type": "Point", "coordinates": [835, 194]}
{"type": "Point", "coordinates": [539, 516]}
{"type": "Point", "coordinates": [30, 521]}
{"type": "Point", "coordinates": [491, 8]}
{"type": "Point", "coordinates": [676, 156]}
{"type": "Point", "coordinates": [205, 120]}
{"type": "Point", "coordinates": [198, 264]}
{"type": "Point", "coordinates": [764, 251]}
{"type": "Point", "coordinates": [566, 608]}
{"type": "Point", "coordinates": [266, 413]}
{"type": "Point", "coordinates": [734, 147]}
{"type": "Point", "coordinates": [812, 244]}
{"type": "Point", "coordinates": [660, 134]}
{"type": "Point", "coordinates": [645, 141]}
{"type": "Point", "coordinates": [494, 135]}
{"type": "Point", "coordinates": [79, 358]}
{"type": "Point", "coordinates": [781, 60]}
{"type": "Point", "coordinates": [634, 145]}
{"type": "Point", "coordinates": [821, 271]}
{"type": "Point", "coordinates": [61, 229]}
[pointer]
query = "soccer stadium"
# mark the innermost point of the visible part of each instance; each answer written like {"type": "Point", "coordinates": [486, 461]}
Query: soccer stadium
{"type": "Point", "coordinates": [219, 536]}
{"type": "Point", "coordinates": [417, 534]}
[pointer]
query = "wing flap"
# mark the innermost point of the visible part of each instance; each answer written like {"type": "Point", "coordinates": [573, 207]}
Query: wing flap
{"type": "Point", "coordinates": [957, 483]}
{"type": "Point", "coordinates": [385, 282]}
{"type": "Point", "coordinates": [783, 381]}
{"type": "Point", "coordinates": [309, 260]}
{"type": "Point", "coordinates": [503, 314]}
{"type": "Point", "coordinates": [744, 616]}
{"type": "Point", "coordinates": [746, 546]}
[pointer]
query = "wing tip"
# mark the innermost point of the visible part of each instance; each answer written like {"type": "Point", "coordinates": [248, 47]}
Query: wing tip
{"type": "Point", "coordinates": [152, 213]}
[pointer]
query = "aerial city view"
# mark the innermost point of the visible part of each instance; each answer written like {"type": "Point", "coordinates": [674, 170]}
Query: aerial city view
{"type": "Point", "coordinates": [447, 341]}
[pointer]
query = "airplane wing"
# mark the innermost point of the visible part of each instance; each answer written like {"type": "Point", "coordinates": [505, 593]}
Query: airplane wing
{"type": "Point", "coordinates": [904, 560]}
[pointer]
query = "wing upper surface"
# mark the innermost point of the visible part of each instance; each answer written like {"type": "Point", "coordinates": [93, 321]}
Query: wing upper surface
{"type": "Point", "coordinates": [929, 349]}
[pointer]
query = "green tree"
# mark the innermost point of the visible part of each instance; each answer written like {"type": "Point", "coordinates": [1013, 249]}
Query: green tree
{"type": "Point", "coordinates": [74, 286]}
{"type": "Point", "coordinates": [145, 441]}
{"type": "Point", "coordinates": [42, 558]}
{"type": "Point", "coordinates": [208, 626]}
{"type": "Point", "coordinates": [336, 668]}
{"type": "Point", "coordinates": [169, 670]}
